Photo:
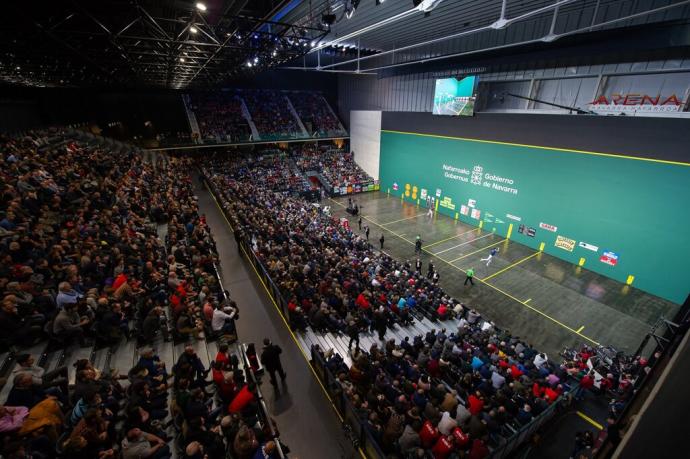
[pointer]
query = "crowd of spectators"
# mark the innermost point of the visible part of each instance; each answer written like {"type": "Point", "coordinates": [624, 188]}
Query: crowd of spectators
{"type": "Point", "coordinates": [219, 116]}
{"type": "Point", "coordinates": [82, 260]}
{"type": "Point", "coordinates": [465, 389]}
{"type": "Point", "coordinates": [271, 114]}
{"type": "Point", "coordinates": [316, 115]}
{"type": "Point", "coordinates": [336, 166]}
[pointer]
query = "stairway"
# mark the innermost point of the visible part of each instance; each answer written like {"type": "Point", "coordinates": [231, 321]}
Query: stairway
{"type": "Point", "coordinates": [340, 125]}
{"type": "Point", "coordinates": [294, 113]}
{"type": "Point", "coordinates": [191, 117]}
{"type": "Point", "coordinates": [247, 116]}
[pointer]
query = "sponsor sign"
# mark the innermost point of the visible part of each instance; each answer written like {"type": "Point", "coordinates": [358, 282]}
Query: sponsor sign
{"type": "Point", "coordinates": [531, 232]}
{"type": "Point", "coordinates": [395, 186]}
{"type": "Point", "coordinates": [565, 243]}
{"type": "Point", "coordinates": [513, 217]}
{"type": "Point", "coordinates": [447, 202]}
{"type": "Point", "coordinates": [636, 102]}
{"type": "Point", "coordinates": [475, 214]}
{"type": "Point", "coordinates": [423, 193]}
{"type": "Point", "coordinates": [498, 220]}
{"type": "Point", "coordinates": [343, 190]}
{"type": "Point", "coordinates": [521, 229]}
{"type": "Point", "coordinates": [591, 247]}
{"type": "Point", "coordinates": [472, 202]}
{"type": "Point", "coordinates": [464, 209]}
{"type": "Point", "coordinates": [358, 188]}
{"type": "Point", "coordinates": [548, 227]}
{"type": "Point", "coordinates": [608, 257]}
{"type": "Point", "coordinates": [438, 192]}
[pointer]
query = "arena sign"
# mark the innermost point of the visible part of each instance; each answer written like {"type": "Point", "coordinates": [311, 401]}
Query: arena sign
{"type": "Point", "coordinates": [631, 102]}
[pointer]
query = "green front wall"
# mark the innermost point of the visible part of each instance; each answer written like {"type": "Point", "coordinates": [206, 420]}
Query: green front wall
{"type": "Point", "coordinates": [638, 209]}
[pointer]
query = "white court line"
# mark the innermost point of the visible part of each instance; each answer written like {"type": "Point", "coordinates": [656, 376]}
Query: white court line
{"type": "Point", "coordinates": [464, 243]}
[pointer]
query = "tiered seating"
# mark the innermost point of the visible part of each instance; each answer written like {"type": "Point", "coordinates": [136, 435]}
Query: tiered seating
{"type": "Point", "coordinates": [338, 288]}
{"type": "Point", "coordinates": [271, 169]}
{"type": "Point", "coordinates": [337, 167]}
{"type": "Point", "coordinates": [316, 115]}
{"type": "Point", "coordinates": [81, 232]}
{"type": "Point", "coordinates": [271, 115]}
{"type": "Point", "coordinates": [219, 115]}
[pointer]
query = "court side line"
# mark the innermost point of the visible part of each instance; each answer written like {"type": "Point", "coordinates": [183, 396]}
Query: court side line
{"type": "Point", "coordinates": [403, 219]}
{"type": "Point", "coordinates": [449, 238]}
{"type": "Point", "coordinates": [472, 253]}
{"type": "Point", "coordinates": [449, 263]}
{"type": "Point", "coordinates": [510, 266]}
{"type": "Point", "coordinates": [280, 313]}
{"type": "Point", "coordinates": [590, 420]}
{"type": "Point", "coordinates": [464, 243]}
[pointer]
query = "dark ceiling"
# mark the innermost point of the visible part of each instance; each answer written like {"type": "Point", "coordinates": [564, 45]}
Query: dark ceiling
{"type": "Point", "coordinates": [145, 43]}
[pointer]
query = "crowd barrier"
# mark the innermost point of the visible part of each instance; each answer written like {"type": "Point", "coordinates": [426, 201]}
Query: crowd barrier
{"type": "Point", "coordinates": [359, 432]}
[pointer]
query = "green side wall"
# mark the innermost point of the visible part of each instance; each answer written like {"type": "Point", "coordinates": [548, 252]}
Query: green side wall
{"type": "Point", "coordinates": [637, 209]}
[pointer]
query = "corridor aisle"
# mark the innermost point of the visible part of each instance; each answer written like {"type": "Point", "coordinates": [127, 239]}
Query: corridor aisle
{"type": "Point", "coordinates": [306, 420]}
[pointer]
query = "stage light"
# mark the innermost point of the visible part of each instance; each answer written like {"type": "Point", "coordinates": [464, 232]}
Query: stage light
{"type": "Point", "coordinates": [256, 60]}
{"type": "Point", "coordinates": [182, 59]}
{"type": "Point", "coordinates": [313, 43]}
{"type": "Point", "coordinates": [193, 29]}
{"type": "Point", "coordinates": [275, 53]}
{"type": "Point", "coordinates": [249, 64]}
{"type": "Point", "coordinates": [200, 6]}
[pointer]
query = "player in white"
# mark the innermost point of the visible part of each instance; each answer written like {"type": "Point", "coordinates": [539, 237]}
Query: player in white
{"type": "Point", "coordinates": [493, 253]}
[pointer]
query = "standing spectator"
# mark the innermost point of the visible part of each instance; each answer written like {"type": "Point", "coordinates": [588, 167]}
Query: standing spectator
{"type": "Point", "coordinates": [270, 359]}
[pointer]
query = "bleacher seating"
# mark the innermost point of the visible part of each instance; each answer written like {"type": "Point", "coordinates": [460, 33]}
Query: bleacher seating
{"type": "Point", "coordinates": [316, 115]}
{"type": "Point", "coordinates": [93, 232]}
{"type": "Point", "coordinates": [271, 114]}
{"type": "Point", "coordinates": [336, 166]}
{"type": "Point", "coordinates": [219, 115]}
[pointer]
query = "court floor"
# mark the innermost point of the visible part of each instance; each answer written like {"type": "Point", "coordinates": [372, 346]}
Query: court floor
{"type": "Point", "coordinates": [548, 301]}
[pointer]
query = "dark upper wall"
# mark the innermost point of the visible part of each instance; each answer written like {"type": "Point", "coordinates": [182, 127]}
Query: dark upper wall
{"type": "Point", "coordinates": [659, 138]}
{"type": "Point", "coordinates": [25, 108]}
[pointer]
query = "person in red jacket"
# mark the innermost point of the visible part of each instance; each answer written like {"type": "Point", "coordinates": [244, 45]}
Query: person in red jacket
{"type": "Point", "coordinates": [586, 383]}
{"type": "Point", "coordinates": [243, 399]}
{"type": "Point", "coordinates": [443, 447]}
{"type": "Point", "coordinates": [428, 434]}
{"type": "Point", "coordinates": [476, 404]}
{"type": "Point", "coordinates": [479, 450]}
{"type": "Point", "coordinates": [362, 302]}
{"type": "Point", "coordinates": [461, 438]}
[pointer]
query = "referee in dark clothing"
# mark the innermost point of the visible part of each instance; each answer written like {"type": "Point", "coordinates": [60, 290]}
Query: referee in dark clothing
{"type": "Point", "coordinates": [270, 359]}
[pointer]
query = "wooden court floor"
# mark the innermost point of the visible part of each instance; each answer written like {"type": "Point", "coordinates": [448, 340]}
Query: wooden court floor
{"type": "Point", "coordinates": [549, 302]}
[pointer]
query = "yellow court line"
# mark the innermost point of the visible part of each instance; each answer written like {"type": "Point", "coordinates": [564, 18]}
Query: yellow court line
{"type": "Point", "coordinates": [449, 263]}
{"type": "Point", "coordinates": [580, 329]}
{"type": "Point", "coordinates": [540, 147]}
{"type": "Point", "coordinates": [472, 253]}
{"type": "Point", "coordinates": [280, 313]}
{"type": "Point", "coordinates": [528, 300]}
{"type": "Point", "coordinates": [590, 420]}
{"type": "Point", "coordinates": [510, 266]}
{"type": "Point", "coordinates": [449, 238]}
{"type": "Point", "coordinates": [403, 219]}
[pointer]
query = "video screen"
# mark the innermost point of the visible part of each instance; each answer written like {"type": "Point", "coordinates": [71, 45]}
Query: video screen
{"type": "Point", "coordinates": [455, 97]}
